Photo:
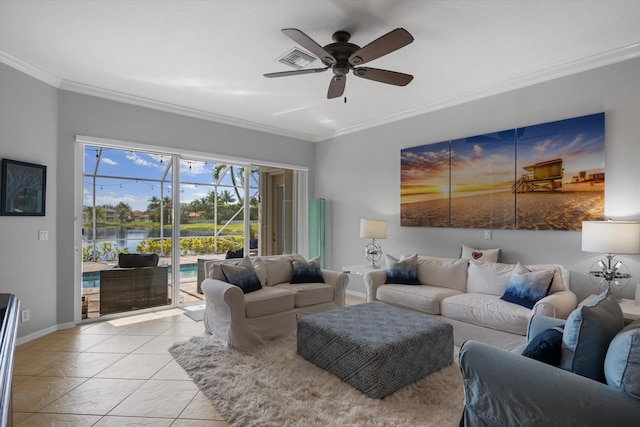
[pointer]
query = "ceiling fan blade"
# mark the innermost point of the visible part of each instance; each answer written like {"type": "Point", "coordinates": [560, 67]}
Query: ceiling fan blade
{"type": "Point", "coordinates": [308, 43]}
{"type": "Point", "coordinates": [381, 46]}
{"type": "Point", "coordinates": [295, 72]}
{"type": "Point", "coordinates": [383, 76]}
{"type": "Point", "coordinates": [336, 87]}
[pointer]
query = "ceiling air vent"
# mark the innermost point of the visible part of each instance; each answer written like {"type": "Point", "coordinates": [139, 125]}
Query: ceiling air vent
{"type": "Point", "coordinates": [297, 58]}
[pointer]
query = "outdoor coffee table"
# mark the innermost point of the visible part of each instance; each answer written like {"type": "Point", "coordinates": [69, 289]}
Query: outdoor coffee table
{"type": "Point", "coordinates": [375, 348]}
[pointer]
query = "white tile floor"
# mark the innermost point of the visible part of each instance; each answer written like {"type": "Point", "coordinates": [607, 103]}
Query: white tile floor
{"type": "Point", "coordinates": [111, 373]}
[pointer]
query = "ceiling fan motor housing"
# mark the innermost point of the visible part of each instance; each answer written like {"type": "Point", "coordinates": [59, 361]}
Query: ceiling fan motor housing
{"type": "Point", "coordinates": [341, 50]}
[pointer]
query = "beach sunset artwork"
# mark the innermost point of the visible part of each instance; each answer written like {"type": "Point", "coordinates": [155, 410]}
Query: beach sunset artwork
{"type": "Point", "coordinates": [482, 171]}
{"type": "Point", "coordinates": [560, 174]}
{"type": "Point", "coordinates": [542, 177]}
{"type": "Point", "coordinates": [424, 185]}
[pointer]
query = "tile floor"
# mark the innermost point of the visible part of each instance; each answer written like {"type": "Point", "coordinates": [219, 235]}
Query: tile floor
{"type": "Point", "coordinates": [111, 373]}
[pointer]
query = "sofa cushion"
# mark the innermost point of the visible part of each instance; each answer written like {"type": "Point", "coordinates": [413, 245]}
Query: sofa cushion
{"type": "Point", "coordinates": [622, 363]}
{"type": "Point", "coordinates": [487, 255]}
{"type": "Point", "coordinates": [243, 276]}
{"type": "Point", "coordinates": [402, 271]}
{"type": "Point", "coordinates": [425, 299]}
{"type": "Point", "coordinates": [268, 300]}
{"type": "Point", "coordinates": [588, 332]}
{"type": "Point", "coordinates": [488, 277]}
{"type": "Point", "coordinates": [306, 271]}
{"type": "Point", "coordinates": [306, 294]}
{"type": "Point", "coordinates": [488, 311]}
{"type": "Point", "coordinates": [444, 272]}
{"type": "Point", "coordinates": [279, 269]}
{"type": "Point", "coordinates": [527, 287]}
{"type": "Point", "coordinates": [261, 269]}
{"type": "Point", "coordinates": [546, 347]}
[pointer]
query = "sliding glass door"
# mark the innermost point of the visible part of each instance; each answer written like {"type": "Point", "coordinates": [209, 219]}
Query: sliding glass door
{"type": "Point", "coordinates": [174, 212]}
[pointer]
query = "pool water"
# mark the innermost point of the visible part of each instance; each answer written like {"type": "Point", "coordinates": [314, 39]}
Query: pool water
{"type": "Point", "coordinates": [92, 279]}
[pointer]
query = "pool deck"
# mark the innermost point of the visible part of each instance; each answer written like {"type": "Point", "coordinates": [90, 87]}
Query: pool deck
{"type": "Point", "coordinates": [188, 286]}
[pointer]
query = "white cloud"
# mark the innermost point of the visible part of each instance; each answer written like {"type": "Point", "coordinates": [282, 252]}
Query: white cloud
{"type": "Point", "coordinates": [108, 161]}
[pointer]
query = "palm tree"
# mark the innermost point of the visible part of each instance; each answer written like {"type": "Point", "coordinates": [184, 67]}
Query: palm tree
{"type": "Point", "coordinates": [226, 198]}
{"type": "Point", "coordinates": [100, 215]}
{"type": "Point", "coordinates": [153, 209]}
{"type": "Point", "coordinates": [220, 170]}
{"type": "Point", "coordinates": [123, 211]}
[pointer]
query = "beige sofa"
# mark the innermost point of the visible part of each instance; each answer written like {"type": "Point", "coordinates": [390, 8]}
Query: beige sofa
{"type": "Point", "coordinates": [469, 292]}
{"type": "Point", "coordinates": [244, 320]}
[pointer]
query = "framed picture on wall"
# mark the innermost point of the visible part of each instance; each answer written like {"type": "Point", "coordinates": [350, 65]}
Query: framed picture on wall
{"type": "Point", "coordinates": [23, 188]}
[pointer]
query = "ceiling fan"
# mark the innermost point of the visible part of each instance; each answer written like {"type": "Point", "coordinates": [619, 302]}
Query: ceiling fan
{"type": "Point", "coordinates": [342, 56]}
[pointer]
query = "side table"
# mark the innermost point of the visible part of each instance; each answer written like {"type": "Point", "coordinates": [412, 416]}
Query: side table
{"type": "Point", "coordinates": [359, 269]}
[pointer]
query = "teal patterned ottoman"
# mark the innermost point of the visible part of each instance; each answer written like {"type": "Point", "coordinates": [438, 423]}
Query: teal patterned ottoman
{"type": "Point", "coordinates": [375, 348]}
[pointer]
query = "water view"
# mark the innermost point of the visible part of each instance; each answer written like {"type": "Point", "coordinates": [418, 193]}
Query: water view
{"type": "Point", "coordinates": [130, 238]}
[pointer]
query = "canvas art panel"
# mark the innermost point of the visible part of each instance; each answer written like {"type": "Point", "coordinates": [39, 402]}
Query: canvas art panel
{"type": "Point", "coordinates": [481, 181]}
{"type": "Point", "coordinates": [560, 174]}
{"type": "Point", "coordinates": [542, 177]}
{"type": "Point", "coordinates": [424, 185]}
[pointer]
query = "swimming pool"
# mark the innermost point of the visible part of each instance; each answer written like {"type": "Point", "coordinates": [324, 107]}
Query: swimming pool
{"type": "Point", "coordinates": [92, 279]}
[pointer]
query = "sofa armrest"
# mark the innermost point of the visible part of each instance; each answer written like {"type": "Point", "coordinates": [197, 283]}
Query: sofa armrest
{"type": "Point", "coordinates": [373, 279]}
{"type": "Point", "coordinates": [558, 304]}
{"type": "Point", "coordinates": [339, 281]}
{"type": "Point", "coordinates": [505, 389]}
{"type": "Point", "coordinates": [224, 301]}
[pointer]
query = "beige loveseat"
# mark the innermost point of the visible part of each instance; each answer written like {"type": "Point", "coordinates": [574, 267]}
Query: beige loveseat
{"type": "Point", "coordinates": [243, 319]}
{"type": "Point", "coordinates": [470, 292]}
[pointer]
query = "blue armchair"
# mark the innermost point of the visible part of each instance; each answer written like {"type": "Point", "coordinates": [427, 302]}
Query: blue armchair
{"type": "Point", "coordinates": [504, 388]}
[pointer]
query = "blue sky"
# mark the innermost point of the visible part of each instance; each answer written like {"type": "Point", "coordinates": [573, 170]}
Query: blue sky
{"type": "Point", "coordinates": [579, 142]}
{"type": "Point", "coordinates": [134, 167]}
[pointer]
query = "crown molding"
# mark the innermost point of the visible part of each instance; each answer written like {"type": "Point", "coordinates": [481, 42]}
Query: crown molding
{"type": "Point", "coordinates": [29, 69]}
{"type": "Point", "coordinates": [551, 73]}
{"type": "Point", "coordinates": [177, 109]}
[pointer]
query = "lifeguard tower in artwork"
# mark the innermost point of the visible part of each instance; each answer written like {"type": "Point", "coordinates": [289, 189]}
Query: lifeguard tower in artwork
{"type": "Point", "coordinates": [543, 176]}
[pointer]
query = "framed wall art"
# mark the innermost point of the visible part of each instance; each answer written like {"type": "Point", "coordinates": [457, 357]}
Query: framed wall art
{"type": "Point", "coordinates": [23, 188]}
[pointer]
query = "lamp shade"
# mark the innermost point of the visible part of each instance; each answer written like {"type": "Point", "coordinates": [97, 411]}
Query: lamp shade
{"type": "Point", "coordinates": [373, 228]}
{"type": "Point", "coordinates": [611, 237]}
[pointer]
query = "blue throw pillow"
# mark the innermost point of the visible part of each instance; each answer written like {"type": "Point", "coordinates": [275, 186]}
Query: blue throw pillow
{"type": "Point", "coordinates": [306, 272]}
{"type": "Point", "coordinates": [243, 277]}
{"type": "Point", "coordinates": [403, 271]}
{"type": "Point", "coordinates": [546, 347]}
{"type": "Point", "coordinates": [622, 364]}
{"type": "Point", "coordinates": [527, 287]}
{"type": "Point", "coordinates": [588, 332]}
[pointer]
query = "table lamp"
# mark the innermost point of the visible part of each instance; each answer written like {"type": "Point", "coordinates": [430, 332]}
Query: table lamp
{"type": "Point", "coordinates": [373, 229]}
{"type": "Point", "coordinates": [610, 238]}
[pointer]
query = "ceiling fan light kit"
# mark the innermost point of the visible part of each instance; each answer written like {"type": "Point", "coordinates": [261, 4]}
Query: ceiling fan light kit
{"type": "Point", "coordinates": [342, 57]}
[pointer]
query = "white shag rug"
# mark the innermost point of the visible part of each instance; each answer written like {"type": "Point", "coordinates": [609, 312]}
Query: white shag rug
{"type": "Point", "coordinates": [270, 385]}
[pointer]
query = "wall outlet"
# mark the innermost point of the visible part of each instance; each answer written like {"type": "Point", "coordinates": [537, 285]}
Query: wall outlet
{"type": "Point", "coordinates": [26, 315]}
{"type": "Point", "coordinates": [487, 234]}
{"type": "Point", "coordinates": [43, 235]}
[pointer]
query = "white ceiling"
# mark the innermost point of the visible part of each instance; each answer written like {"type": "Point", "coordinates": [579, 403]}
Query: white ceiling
{"type": "Point", "coordinates": [206, 58]}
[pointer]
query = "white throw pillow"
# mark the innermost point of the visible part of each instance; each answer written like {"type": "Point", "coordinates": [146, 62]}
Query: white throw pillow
{"type": "Point", "coordinates": [486, 255]}
{"type": "Point", "coordinates": [444, 272]}
{"type": "Point", "coordinates": [279, 269]}
{"type": "Point", "coordinates": [489, 278]}
{"type": "Point", "coordinates": [261, 270]}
